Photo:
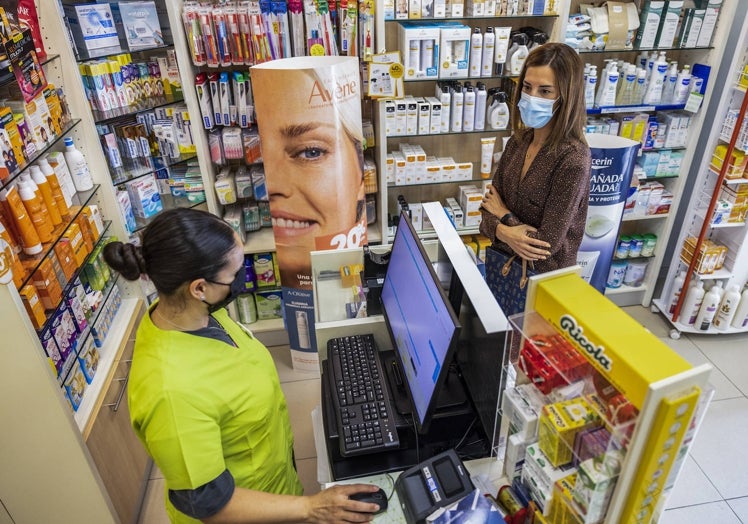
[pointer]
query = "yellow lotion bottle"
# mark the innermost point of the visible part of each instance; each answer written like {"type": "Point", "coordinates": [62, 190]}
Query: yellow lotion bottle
{"type": "Point", "coordinates": [29, 237]}
{"type": "Point", "coordinates": [46, 191]}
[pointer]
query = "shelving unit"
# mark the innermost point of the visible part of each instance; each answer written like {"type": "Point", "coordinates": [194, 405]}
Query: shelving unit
{"type": "Point", "coordinates": [706, 183]}
{"type": "Point", "coordinates": [662, 225]}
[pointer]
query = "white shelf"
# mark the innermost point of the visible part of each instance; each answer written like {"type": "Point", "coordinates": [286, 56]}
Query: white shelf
{"type": "Point", "coordinates": [263, 326]}
{"type": "Point", "coordinates": [729, 181]}
{"type": "Point", "coordinates": [107, 356]}
{"type": "Point", "coordinates": [720, 273]}
{"type": "Point", "coordinates": [632, 218]}
{"type": "Point", "coordinates": [624, 289]}
{"type": "Point", "coordinates": [687, 328]}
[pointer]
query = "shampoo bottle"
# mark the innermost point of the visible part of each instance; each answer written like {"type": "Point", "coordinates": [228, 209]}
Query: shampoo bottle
{"type": "Point", "coordinates": [481, 97]}
{"type": "Point", "coordinates": [692, 303]}
{"type": "Point", "coordinates": [589, 87]}
{"type": "Point", "coordinates": [476, 52]}
{"type": "Point", "coordinates": [675, 292]}
{"type": "Point", "coordinates": [641, 86]}
{"type": "Point", "coordinates": [671, 79]}
{"type": "Point", "coordinates": [656, 81]}
{"type": "Point", "coordinates": [489, 46]}
{"type": "Point", "coordinates": [46, 191]}
{"type": "Point", "coordinates": [627, 87]}
{"type": "Point", "coordinates": [54, 185]}
{"type": "Point", "coordinates": [682, 86]}
{"type": "Point", "coordinates": [727, 308]}
{"type": "Point", "coordinates": [609, 88]}
{"type": "Point", "coordinates": [707, 310]}
{"type": "Point", "coordinates": [740, 320]}
{"type": "Point", "coordinates": [78, 166]}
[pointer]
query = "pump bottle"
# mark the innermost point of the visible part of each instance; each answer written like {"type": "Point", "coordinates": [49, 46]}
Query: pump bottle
{"type": "Point", "coordinates": [627, 87]}
{"type": "Point", "coordinates": [692, 303]}
{"type": "Point", "coordinates": [682, 86]}
{"type": "Point", "coordinates": [517, 61]}
{"type": "Point", "coordinates": [589, 87]}
{"type": "Point", "coordinates": [54, 184]}
{"type": "Point", "coordinates": [498, 112]}
{"type": "Point", "coordinates": [609, 87]}
{"type": "Point", "coordinates": [707, 310]}
{"type": "Point", "coordinates": [669, 85]}
{"type": "Point", "coordinates": [727, 308]}
{"type": "Point", "coordinates": [675, 292]}
{"type": "Point", "coordinates": [656, 81]}
{"type": "Point", "coordinates": [78, 166]}
{"type": "Point", "coordinates": [476, 52]}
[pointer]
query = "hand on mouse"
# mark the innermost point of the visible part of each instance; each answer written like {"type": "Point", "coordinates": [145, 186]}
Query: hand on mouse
{"type": "Point", "coordinates": [334, 505]}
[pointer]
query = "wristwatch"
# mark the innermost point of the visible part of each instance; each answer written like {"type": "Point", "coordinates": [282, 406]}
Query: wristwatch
{"type": "Point", "coordinates": [506, 218]}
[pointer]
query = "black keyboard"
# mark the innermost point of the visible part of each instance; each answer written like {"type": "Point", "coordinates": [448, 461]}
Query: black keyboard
{"type": "Point", "coordinates": [364, 415]}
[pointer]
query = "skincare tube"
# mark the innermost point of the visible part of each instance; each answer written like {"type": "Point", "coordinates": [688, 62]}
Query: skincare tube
{"type": "Point", "coordinates": [486, 156]}
{"type": "Point", "coordinates": [26, 230]}
{"type": "Point", "coordinates": [414, 55]}
{"type": "Point", "coordinates": [501, 47]}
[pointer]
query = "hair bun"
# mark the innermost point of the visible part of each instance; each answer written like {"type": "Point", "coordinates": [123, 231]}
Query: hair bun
{"type": "Point", "coordinates": [126, 259]}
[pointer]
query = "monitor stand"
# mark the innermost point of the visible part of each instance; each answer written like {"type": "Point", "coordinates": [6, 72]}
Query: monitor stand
{"type": "Point", "coordinates": [452, 400]}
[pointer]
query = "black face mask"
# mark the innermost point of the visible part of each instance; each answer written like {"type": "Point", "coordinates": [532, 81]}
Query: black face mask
{"type": "Point", "coordinates": [238, 287]}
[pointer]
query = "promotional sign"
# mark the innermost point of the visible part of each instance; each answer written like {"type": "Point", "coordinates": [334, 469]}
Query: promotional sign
{"type": "Point", "coordinates": [309, 120]}
{"type": "Point", "coordinates": [613, 160]}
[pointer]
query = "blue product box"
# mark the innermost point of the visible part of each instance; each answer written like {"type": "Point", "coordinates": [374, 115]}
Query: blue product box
{"type": "Point", "coordinates": [88, 358]}
{"type": "Point", "coordinates": [51, 349]}
{"type": "Point", "coordinates": [141, 25]}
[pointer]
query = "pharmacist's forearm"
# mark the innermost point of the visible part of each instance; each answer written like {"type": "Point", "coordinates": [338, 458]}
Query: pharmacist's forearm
{"type": "Point", "coordinates": [249, 506]}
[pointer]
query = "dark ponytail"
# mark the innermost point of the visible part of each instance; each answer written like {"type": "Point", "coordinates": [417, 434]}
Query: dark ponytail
{"type": "Point", "coordinates": [179, 246]}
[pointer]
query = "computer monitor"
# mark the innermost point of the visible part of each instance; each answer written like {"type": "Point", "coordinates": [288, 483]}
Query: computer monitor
{"type": "Point", "coordinates": [422, 323]}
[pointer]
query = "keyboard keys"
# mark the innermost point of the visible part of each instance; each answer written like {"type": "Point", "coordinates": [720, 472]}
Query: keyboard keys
{"type": "Point", "coordinates": [362, 403]}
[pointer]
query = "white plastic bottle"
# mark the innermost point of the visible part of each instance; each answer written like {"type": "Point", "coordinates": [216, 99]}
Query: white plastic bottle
{"type": "Point", "coordinates": [717, 286]}
{"type": "Point", "coordinates": [740, 320]}
{"type": "Point", "coordinates": [498, 113]}
{"type": "Point", "coordinates": [481, 97]}
{"type": "Point", "coordinates": [609, 87]}
{"type": "Point", "coordinates": [445, 97]}
{"type": "Point", "coordinates": [512, 49]}
{"type": "Point", "coordinates": [641, 86]}
{"type": "Point", "coordinates": [78, 166]}
{"type": "Point", "coordinates": [656, 81]}
{"type": "Point", "coordinates": [476, 53]}
{"type": "Point", "coordinates": [668, 87]}
{"type": "Point", "coordinates": [520, 55]}
{"type": "Point", "coordinates": [589, 87]}
{"type": "Point", "coordinates": [692, 303]}
{"type": "Point", "coordinates": [675, 292]}
{"type": "Point", "coordinates": [627, 87]}
{"type": "Point", "coordinates": [707, 310]}
{"type": "Point", "coordinates": [468, 108]}
{"type": "Point", "coordinates": [682, 86]}
{"type": "Point", "coordinates": [489, 45]}
{"type": "Point", "coordinates": [46, 191]}
{"type": "Point", "coordinates": [727, 308]}
{"type": "Point", "coordinates": [456, 114]}
{"type": "Point", "coordinates": [61, 197]}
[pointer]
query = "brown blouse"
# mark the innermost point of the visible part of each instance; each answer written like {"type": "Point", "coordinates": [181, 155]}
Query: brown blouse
{"type": "Point", "coordinates": [552, 197]}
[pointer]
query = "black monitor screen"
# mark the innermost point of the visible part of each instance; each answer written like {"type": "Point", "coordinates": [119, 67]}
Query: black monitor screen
{"type": "Point", "coordinates": [422, 323]}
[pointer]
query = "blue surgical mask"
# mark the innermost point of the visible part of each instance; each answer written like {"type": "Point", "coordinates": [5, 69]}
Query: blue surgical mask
{"type": "Point", "coordinates": [536, 112]}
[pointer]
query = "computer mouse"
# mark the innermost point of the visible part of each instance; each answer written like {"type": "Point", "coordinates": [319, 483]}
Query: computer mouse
{"type": "Point", "coordinates": [377, 497]}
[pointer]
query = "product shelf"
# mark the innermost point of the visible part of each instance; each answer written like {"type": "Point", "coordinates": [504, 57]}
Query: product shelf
{"type": "Point", "coordinates": [32, 262]}
{"type": "Point", "coordinates": [107, 356]}
{"type": "Point", "coordinates": [680, 327]}
{"type": "Point", "coordinates": [7, 76]}
{"type": "Point", "coordinates": [149, 166]}
{"type": "Point", "coordinates": [638, 108]}
{"type": "Point", "coordinates": [632, 218]}
{"type": "Point", "coordinates": [467, 181]}
{"type": "Point", "coordinates": [36, 156]}
{"type": "Point", "coordinates": [478, 132]}
{"type": "Point", "coordinates": [639, 49]}
{"type": "Point", "coordinates": [169, 202]}
{"type": "Point", "coordinates": [103, 117]}
{"type": "Point", "coordinates": [430, 234]}
{"type": "Point", "coordinates": [728, 181]}
{"type": "Point", "coordinates": [495, 17]}
{"type": "Point", "coordinates": [623, 288]}
{"type": "Point", "coordinates": [113, 51]}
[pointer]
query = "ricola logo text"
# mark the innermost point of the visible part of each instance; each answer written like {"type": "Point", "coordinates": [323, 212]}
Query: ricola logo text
{"type": "Point", "coordinates": [576, 332]}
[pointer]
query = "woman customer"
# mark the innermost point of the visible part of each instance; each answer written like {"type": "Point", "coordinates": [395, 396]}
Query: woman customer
{"type": "Point", "coordinates": [536, 205]}
{"type": "Point", "coordinates": [204, 394]}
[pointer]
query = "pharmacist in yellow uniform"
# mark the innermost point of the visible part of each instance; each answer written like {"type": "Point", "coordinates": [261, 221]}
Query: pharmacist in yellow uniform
{"type": "Point", "coordinates": [204, 394]}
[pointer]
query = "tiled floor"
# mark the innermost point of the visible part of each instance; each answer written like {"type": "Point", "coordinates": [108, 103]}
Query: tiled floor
{"type": "Point", "coordinates": [713, 486]}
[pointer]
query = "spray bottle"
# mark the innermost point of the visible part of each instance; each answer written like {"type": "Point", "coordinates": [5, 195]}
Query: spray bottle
{"type": "Point", "coordinates": [468, 108]}
{"type": "Point", "coordinates": [498, 112]}
{"type": "Point", "coordinates": [457, 107]}
{"type": "Point", "coordinates": [481, 97]}
{"type": "Point", "coordinates": [476, 53]}
{"type": "Point", "coordinates": [489, 46]}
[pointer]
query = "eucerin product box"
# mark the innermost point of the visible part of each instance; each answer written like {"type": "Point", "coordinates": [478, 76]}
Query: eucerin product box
{"type": "Point", "coordinates": [92, 26]}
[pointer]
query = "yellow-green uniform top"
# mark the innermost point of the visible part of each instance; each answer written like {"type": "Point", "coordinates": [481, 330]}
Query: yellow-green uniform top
{"type": "Point", "coordinates": [201, 406]}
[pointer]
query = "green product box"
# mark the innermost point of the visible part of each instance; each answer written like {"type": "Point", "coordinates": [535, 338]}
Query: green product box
{"type": "Point", "coordinates": [269, 304]}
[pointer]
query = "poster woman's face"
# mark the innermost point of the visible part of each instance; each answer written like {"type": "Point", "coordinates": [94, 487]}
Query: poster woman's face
{"type": "Point", "coordinates": [314, 177]}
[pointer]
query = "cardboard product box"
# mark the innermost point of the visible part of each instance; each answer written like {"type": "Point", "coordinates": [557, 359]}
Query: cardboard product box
{"type": "Point", "coordinates": [269, 304]}
{"type": "Point", "coordinates": [33, 305]}
{"type": "Point", "coordinates": [51, 349]}
{"type": "Point", "coordinates": [711, 14]}
{"type": "Point", "coordinates": [88, 358]}
{"type": "Point", "coordinates": [11, 141]}
{"type": "Point", "coordinates": [558, 425]}
{"type": "Point", "coordinates": [144, 197]}
{"type": "Point", "coordinates": [650, 21]}
{"type": "Point", "coordinates": [92, 26]}
{"type": "Point", "coordinates": [419, 44]}
{"type": "Point", "coordinates": [596, 480]}
{"type": "Point", "coordinates": [454, 51]}
{"type": "Point", "coordinates": [140, 24]}
{"type": "Point", "coordinates": [671, 15]}
{"type": "Point", "coordinates": [78, 246]}
{"type": "Point", "coordinates": [75, 385]}
{"type": "Point", "coordinates": [64, 330]}
{"type": "Point", "coordinates": [47, 286]}
{"type": "Point", "coordinates": [263, 266]}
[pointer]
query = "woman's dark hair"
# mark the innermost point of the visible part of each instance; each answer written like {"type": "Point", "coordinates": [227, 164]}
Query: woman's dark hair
{"type": "Point", "coordinates": [568, 68]}
{"type": "Point", "coordinates": [179, 246]}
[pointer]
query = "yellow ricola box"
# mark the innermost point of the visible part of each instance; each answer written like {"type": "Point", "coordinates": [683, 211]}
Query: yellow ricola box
{"type": "Point", "coordinates": [562, 509]}
{"type": "Point", "coordinates": [559, 423]}
{"type": "Point", "coordinates": [629, 357]}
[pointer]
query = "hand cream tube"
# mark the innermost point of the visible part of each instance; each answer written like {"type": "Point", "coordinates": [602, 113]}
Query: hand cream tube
{"type": "Point", "coordinates": [486, 156]}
